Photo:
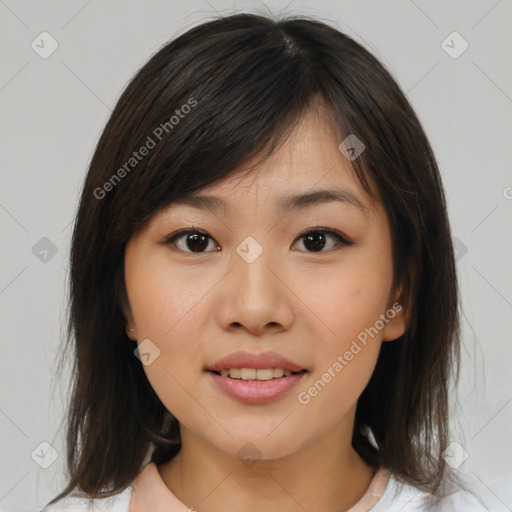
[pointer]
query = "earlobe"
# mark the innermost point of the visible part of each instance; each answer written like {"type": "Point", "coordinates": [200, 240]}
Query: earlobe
{"type": "Point", "coordinates": [396, 326]}
{"type": "Point", "coordinates": [130, 331]}
{"type": "Point", "coordinates": [397, 318]}
{"type": "Point", "coordinates": [130, 326]}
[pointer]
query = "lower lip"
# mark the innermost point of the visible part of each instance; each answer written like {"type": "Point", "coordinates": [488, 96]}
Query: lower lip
{"type": "Point", "coordinates": [256, 391]}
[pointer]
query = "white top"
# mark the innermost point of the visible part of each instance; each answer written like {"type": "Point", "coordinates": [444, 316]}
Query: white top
{"type": "Point", "coordinates": [148, 493]}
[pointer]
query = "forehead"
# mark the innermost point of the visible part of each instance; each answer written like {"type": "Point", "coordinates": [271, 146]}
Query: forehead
{"type": "Point", "coordinates": [307, 169]}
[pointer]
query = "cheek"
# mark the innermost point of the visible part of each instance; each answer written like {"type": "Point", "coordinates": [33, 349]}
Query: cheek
{"type": "Point", "coordinates": [349, 299]}
{"type": "Point", "coordinates": [170, 308]}
{"type": "Point", "coordinates": [161, 297]}
{"type": "Point", "coordinates": [167, 309]}
{"type": "Point", "coordinates": [349, 306]}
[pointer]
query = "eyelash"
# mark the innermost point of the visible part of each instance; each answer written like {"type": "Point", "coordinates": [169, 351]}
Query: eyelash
{"type": "Point", "coordinates": [341, 239]}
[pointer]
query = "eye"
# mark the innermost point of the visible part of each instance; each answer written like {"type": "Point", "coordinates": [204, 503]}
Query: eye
{"type": "Point", "coordinates": [315, 239]}
{"type": "Point", "coordinates": [190, 240]}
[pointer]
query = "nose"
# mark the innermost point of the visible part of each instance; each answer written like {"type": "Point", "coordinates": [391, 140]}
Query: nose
{"type": "Point", "coordinates": [255, 296]}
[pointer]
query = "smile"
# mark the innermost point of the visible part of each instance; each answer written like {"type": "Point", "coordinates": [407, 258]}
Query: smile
{"type": "Point", "coordinates": [250, 389]}
{"type": "Point", "coordinates": [255, 373]}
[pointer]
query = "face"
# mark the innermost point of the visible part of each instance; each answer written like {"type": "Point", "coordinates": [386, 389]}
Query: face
{"type": "Point", "coordinates": [224, 299]}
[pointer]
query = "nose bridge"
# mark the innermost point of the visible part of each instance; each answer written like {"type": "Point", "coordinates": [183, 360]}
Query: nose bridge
{"type": "Point", "coordinates": [251, 268]}
{"type": "Point", "coordinates": [254, 296]}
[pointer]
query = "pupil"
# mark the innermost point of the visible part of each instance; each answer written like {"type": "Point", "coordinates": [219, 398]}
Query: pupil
{"type": "Point", "coordinates": [197, 242]}
{"type": "Point", "coordinates": [317, 241]}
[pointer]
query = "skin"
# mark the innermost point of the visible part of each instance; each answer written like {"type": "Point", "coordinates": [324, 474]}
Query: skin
{"type": "Point", "coordinates": [308, 306]}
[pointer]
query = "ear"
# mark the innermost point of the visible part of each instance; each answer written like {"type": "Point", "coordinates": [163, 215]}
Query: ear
{"type": "Point", "coordinates": [131, 332]}
{"type": "Point", "coordinates": [397, 317]}
{"type": "Point", "coordinates": [130, 329]}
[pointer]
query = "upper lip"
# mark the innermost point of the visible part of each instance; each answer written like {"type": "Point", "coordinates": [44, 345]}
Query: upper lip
{"type": "Point", "coordinates": [251, 360]}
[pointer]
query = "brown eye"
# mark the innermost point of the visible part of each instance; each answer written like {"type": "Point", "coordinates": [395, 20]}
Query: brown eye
{"type": "Point", "coordinates": [316, 240]}
{"type": "Point", "coordinates": [189, 240]}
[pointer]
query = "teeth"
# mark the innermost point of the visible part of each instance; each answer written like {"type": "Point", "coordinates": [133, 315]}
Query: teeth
{"type": "Point", "coordinates": [247, 373]}
{"type": "Point", "coordinates": [236, 373]}
{"type": "Point", "coordinates": [255, 374]}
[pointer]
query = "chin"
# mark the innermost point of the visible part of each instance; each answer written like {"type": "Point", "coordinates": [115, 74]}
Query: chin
{"type": "Point", "coordinates": [253, 446]}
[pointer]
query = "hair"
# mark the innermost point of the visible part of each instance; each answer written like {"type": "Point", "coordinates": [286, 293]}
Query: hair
{"type": "Point", "coordinates": [247, 79]}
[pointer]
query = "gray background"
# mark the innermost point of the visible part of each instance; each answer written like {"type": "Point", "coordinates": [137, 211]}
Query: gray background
{"type": "Point", "coordinates": [54, 109]}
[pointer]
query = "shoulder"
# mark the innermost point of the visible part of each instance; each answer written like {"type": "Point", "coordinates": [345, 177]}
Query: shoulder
{"type": "Point", "coordinates": [118, 503]}
{"type": "Point", "coordinates": [406, 498]}
{"type": "Point", "coordinates": [466, 501]}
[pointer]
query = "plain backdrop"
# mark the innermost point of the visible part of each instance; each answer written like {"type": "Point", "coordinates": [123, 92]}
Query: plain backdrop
{"type": "Point", "coordinates": [452, 58]}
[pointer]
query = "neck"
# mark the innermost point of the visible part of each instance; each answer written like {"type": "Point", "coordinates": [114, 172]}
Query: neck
{"type": "Point", "coordinates": [320, 476]}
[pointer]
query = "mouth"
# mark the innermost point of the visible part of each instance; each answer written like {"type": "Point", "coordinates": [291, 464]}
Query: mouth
{"type": "Point", "coordinates": [257, 374]}
{"type": "Point", "coordinates": [253, 389]}
{"type": "Point", "coordinates": [255, 378]}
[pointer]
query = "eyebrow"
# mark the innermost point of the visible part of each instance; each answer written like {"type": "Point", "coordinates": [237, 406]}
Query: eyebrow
{"type": "Point", "coordinates": [217, 204]}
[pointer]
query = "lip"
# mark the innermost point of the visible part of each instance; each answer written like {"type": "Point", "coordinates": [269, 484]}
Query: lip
{"type": "Point", "coordinates": [254, 360]}
{"type": "Point", "coordinates": [256, 391]}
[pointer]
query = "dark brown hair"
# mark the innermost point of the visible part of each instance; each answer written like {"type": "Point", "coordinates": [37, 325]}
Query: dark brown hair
{"type": "Point", "coordinates": [247, 79]}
